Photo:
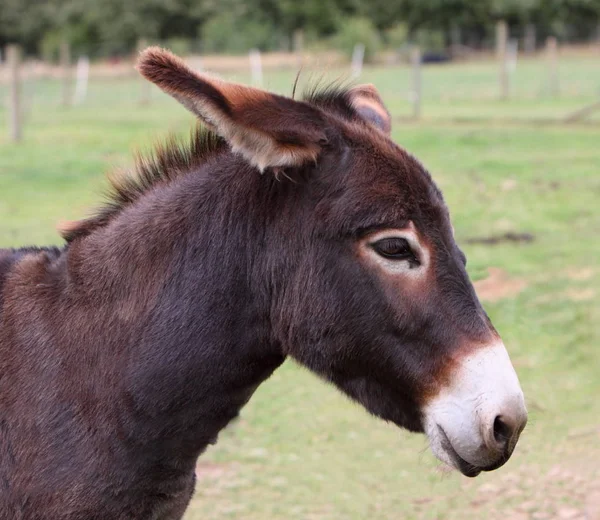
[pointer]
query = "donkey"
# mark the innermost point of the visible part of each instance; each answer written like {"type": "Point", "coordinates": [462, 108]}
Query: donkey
{"type": "Point", "coordinates": [289, 228]}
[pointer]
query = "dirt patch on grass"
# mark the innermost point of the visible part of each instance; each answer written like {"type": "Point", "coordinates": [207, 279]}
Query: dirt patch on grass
{"type": "Point", "coordinates": [498, 285]}
{"type": "Point", "coordinates": [581, 295]}
{"type": "Point", "coordinates": [510, 236]}
{"type": "Point", "coordinates": [508, 185]}
{"type": "Point", "coordinates": [568, 489]}
{"type": "Point", "coordinates": [592, 506]}
{"type": "Point", "coordinates": [211, 471]}
{"type": "Point", "coordinates": [581, 274]}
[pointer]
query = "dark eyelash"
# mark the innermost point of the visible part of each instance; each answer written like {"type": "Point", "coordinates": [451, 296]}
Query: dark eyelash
{"type": "Point", "coordinates": [393, 248]}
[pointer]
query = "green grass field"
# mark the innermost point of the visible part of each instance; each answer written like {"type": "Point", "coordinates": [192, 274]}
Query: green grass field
{"type": "Point", "coordinates": [301, 450]}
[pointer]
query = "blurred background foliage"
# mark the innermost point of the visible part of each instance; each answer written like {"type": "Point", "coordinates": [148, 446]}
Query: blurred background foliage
{"type": "Point", "coordinates": [112, 28]}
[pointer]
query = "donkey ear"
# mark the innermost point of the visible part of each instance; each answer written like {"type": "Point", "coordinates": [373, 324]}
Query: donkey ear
{"type": "Point", "coordinates": [269, 130]}
{"type": "Point", "coordinates": [368, 104]}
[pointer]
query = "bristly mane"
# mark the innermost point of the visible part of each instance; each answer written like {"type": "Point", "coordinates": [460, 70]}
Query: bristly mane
{"type": "Point", "coordinates": [333, 97]}
{"type": "Point", "coordinates": [176, 157]}
{"type": "Point", "coordinates": [168, 161]}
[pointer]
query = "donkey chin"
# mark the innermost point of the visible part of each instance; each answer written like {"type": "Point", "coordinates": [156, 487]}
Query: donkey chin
{"type": "Point", "coordinates": [474, 422]}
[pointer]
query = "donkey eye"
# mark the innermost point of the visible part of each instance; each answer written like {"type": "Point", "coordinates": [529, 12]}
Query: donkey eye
{"type": "Point", "coordinates": [394, 248]}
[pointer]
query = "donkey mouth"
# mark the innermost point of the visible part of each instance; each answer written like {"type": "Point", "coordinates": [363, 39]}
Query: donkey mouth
{"type": "Point", "coordinates": [466, 468]}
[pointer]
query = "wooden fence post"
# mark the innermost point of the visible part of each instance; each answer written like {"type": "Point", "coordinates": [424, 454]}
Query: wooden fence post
{"type": "Point", "coordinates": [82, 74]}
{"type": "Point", "coordinates": [65, 65]}
{"type": "Point", "coordinates": [530, 39]}
{"type": "Point", "coordinates": [501, 42]}
{"type": "Point", "coordinates": [298, 46]}
{"type": "Point", "coordinates": [455, 37]}
{"type": "Point", "coordinates": [256, 67]}
{"type": "Point", "coordinates": [13, 58]}
{"type": "Point", "coordinates": [415, 58]}
{"type": "Point", "coordinates": [512, 56]}
{"type": "Point", "coordinates": [27, 94]}
{"type": "Point", "coordinates": [552, 55]}
{"type": "Point", "coordinates": [358, 56]}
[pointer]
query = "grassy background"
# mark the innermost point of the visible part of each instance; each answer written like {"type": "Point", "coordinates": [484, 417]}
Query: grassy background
{"type": "Point", "coordinates": [301, 450]}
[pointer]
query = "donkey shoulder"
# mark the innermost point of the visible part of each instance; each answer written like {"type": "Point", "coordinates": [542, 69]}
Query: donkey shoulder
{"type": "Point", "coordinates": [9, 258]}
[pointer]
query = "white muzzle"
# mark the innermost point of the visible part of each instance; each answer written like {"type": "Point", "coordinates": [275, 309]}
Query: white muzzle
{"type": "Point", "coordinates": [474, 423]}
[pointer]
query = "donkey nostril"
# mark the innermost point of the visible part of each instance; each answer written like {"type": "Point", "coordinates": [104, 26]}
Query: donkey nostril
{"type": "Point", "coordinates": [502, 431]}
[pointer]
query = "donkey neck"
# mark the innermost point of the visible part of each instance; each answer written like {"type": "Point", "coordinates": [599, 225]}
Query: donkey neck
{"type": "Point", "coordinates": [180, 294]}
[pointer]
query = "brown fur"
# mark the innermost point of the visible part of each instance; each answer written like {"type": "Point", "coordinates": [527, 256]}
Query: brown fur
{"type": "Point", "coordinates": [123, 354]}
{"type": "Point", "coordinates": [368, 103]}
{"type": "Point", "coordinates": [292, 137]}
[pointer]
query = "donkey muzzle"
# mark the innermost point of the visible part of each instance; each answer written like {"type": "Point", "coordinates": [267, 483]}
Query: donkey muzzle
{"type": "Point", "coordinates": [474, 423]}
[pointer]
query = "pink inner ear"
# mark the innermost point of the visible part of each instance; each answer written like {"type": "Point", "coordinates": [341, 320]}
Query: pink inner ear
{"type": "Point", "coordinates": [368, 104]}
{"type": "Point", "coordinates": [374, 114]}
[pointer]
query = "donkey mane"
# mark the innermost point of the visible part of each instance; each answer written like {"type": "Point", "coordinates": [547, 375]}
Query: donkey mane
{"type": "Point", "coordinates": [175, 157]}
{"type": "Point", "coordinates": [333, 97]}
{"type": "Point", "coordinates": [166, 162]}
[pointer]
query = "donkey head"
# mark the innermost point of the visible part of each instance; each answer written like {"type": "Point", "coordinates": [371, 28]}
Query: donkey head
{"type": "Point", "coordinates": [368, 286]}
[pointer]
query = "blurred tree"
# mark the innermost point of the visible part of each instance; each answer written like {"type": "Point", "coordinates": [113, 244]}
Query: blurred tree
{"type": "Point", "coordinates": [237, 25]}
{"type": "Point", "coordinates": [434, 15]}
{"type": "Point", "coordinates": [24, 22]}
{"type": "Point", "coordinates": [112, 27]}
{"type": "Point", "coordinates": [358, 30]}
{"type": "Point", "coordinates": [569, 19]}
{"type": "Point", "coordinates": [323, 17]}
